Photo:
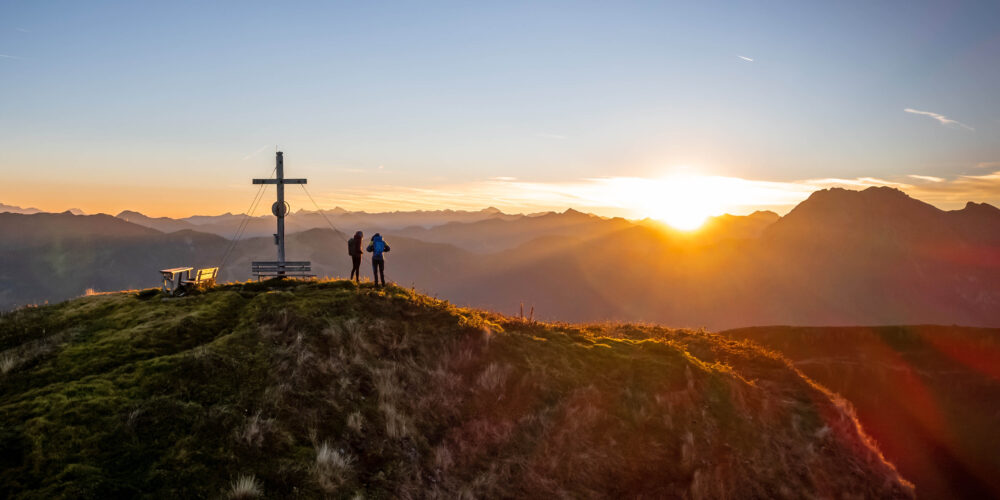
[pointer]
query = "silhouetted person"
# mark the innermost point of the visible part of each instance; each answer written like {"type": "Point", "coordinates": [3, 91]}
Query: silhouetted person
{"type": "Point", "coordinates": [354, 250]}
{"type": "Point", "coordinates": [377, 248]}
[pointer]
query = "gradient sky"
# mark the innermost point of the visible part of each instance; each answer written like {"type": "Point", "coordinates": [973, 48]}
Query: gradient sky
{"type": "Point", "coordinates": [170, 108]}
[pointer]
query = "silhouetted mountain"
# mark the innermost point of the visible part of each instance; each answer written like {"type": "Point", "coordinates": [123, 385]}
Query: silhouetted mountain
{"type": "Point", "coordinates": [840, 258]}
{"type": "Point", "coordinates": [17, 210]}
{"type": "Point", "coordinates": [721, 227]}
{"type": "Point", "coordinates": [27, 230]}
{"type": "Point", "coordinates": [48, 257]}
{"type": "Point", "coordinates": [879, 256]}
{"type": "Point", "coordinates": [885, 217]}
{"type": "Point", "coordinates": [226, 225]}
{"type": "Point", "coordinates": [162, 224]}
{"type": "Point", "coordinates": [927, 395]}
{"type": "Point", "coordinates": [493, 235]}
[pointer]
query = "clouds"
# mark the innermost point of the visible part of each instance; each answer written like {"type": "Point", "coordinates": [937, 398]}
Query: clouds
{"type": "Point", "coordinates": [957, 191]}
{"type": "Point", "coordinates": [630, 196]}
{"type": "Point", "coordinates": [747, 59]}
{"type": "Point", "coordinates": [928, 178]}
{"type": "Point", "coordinates": [943, 120]}
{"type": "Point", "coordinates": [257, 152]}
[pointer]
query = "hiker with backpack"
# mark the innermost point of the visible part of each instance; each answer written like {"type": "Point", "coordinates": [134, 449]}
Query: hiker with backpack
{"type": "Point", "coordinates": [354, 250]}
{"type": "Point", "coordinates": [377, 248]}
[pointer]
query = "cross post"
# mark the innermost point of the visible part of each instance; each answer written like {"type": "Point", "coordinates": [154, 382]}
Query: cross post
{"type": "Point", "coordinates": [280, 208]}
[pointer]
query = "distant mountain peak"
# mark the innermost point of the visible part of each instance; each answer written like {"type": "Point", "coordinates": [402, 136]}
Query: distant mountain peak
{"type": "Point", "coordinates": [853, 200]}
{"type": "Point", "coordinates": [980, 207]}
{"type": "Point", "coordinates": [18, 210]}
{"type": "Point", "coordinates": [766, 214]}
{"type": "Point", "coordinates": [885, 190]}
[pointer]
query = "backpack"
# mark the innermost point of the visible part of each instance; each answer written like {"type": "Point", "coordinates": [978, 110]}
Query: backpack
{"type": "Point", "coordinates": [350, 246]}
{"type": "Point", "coordinates": [379, 247]}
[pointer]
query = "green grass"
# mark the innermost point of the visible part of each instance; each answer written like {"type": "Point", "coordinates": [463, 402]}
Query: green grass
{"type": "Point", "coordinates": [324, 388]}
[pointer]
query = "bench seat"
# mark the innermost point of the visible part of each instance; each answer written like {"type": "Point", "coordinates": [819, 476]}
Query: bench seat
{"type": "Point", "coordinates": [274, 269]}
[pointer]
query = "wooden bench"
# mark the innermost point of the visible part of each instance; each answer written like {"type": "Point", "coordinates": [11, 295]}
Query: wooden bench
{"type": "Point", "coordinates": [173, 277]}
{"type": "Point", "coordinates": [274, 269]}
{"type": "Point", "coordinates": [202, 277]}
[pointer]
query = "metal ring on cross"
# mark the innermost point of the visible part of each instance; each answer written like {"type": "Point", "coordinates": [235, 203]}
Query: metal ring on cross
{"type": "Point", "coordinates": [280, 209]}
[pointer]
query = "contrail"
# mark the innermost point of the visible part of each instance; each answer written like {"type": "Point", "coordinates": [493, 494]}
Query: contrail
{"type": "Point", "coordinates": [251, 155]}
{"type": "Point", "coordinates": [747, 59]}
{"type": "Point", "coordinates": [943, 120]}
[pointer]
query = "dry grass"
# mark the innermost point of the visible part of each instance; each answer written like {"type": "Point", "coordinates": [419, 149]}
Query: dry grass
{"type": "Point", "coordinates": [333, 467]}
{"type": "Point", "coordinates": [245, 487]}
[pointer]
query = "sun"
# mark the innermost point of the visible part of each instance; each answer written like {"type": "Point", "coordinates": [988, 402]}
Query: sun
{"type": "Point", "coordinates": [684, 220]}
{"type": "Point", "coordinates": [683, 202]}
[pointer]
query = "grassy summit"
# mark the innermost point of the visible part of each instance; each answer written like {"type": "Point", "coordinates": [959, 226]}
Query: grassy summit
{"type": "Point", "coordinates": [312, 388]}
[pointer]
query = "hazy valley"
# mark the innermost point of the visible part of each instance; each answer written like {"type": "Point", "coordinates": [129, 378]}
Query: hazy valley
{"type": "Point", "coordinates": [839, 258]}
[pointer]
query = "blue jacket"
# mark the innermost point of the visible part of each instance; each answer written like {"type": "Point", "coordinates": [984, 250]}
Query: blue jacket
{"type": "Point", "coordinates": [377, 247]}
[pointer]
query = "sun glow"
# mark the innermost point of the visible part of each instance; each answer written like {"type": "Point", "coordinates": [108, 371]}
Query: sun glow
{"type": "Point", "coordinates": [684, 201]}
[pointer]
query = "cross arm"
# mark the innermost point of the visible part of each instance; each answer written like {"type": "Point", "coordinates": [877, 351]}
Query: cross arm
{"type": "Point", "coordinates": [275, 181]}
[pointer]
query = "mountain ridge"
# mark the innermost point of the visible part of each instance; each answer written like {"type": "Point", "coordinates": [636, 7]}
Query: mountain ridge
{"type": "Point", "coordinates": [942, 268]}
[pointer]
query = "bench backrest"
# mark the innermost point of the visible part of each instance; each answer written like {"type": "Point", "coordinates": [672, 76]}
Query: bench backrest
{"type": "Point", "coordinates": [207, 274]}
{"type": "Point", "coordinates": [270, 266]}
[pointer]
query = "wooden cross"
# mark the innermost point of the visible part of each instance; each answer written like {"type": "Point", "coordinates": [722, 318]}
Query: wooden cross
{"type": "Point", "coordinates": [280, 208]}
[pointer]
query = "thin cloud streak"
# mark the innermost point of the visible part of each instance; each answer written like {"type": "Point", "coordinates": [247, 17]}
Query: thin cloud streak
{"type": "Point", "coordinates": [747, 59]}
{"type": "Point", "coordinates": [255, 153]}
{"type": "Point", "coordinates": [929, 178]}
{"type": "Point", "coordinates": [943, 120]}
{"type": "Point", "coordinates": [962, 189]}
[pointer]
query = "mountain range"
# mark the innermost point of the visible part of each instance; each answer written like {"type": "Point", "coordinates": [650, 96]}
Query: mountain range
{"type": "Point", "coordinates": [840, 257]}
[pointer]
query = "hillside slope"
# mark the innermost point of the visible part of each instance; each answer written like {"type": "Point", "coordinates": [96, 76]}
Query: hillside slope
{"type": "Point", "coordinates": [305, 388]}
{"type": "Point", "coordinates": [927, 394]}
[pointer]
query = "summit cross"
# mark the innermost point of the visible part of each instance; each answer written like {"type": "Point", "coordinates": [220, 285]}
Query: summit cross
{"type": "Point", "coordinates": [280, 208]}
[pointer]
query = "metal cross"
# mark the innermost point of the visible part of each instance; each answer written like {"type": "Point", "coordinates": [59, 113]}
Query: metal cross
{"type": "Point", "coordinates": [280, 208]}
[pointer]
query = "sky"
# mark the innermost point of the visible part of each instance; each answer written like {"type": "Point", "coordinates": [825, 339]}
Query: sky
{"type": "Point", "coordinates": [618, 108]}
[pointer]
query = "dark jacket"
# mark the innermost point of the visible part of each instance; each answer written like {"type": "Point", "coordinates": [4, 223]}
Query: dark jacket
{"type": "Point", "coordinates": [354, 244]}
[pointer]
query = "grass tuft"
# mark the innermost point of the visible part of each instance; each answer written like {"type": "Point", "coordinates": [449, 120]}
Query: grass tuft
{"type": "Point", "coordinates": [245, 487]}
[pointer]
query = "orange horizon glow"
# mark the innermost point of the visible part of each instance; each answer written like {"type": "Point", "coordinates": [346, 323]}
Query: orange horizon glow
{"type": "Point", "coordinates": [684, 199]}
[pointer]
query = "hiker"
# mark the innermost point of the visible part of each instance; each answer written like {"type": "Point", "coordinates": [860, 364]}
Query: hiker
{"type": "Point", "coordinates": [354, 250]}
{"type": "Point", "coordinates": [377, 248]}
